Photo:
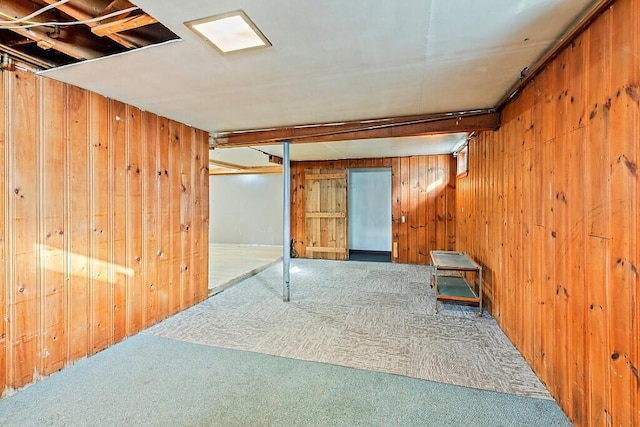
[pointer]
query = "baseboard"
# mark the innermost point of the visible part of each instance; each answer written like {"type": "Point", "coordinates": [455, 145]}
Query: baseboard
{"type": "Point", "coordinates": [371, 256]}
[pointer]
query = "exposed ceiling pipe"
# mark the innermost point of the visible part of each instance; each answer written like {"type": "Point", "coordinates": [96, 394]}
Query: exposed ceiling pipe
{"type": "Point", "coordinates": [6, 63]}
{"type": "Point", "coordinates": [30, 60]}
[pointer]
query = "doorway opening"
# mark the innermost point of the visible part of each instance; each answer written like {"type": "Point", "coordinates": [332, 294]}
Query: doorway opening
{"type": "Point", "coordinates": [370, 214]}
{"type": "Point", "coordinates": [245, 234]}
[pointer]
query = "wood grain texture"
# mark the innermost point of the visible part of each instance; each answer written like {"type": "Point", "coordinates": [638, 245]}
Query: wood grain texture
{"type": "Point", "coordinates": [118, 139]}
{"type": "Point", "coordinates": [201, 215]}
{"type": "Point", "coordinates": [54, 303]}
{"type": "Point", "coordinates": [174, 192]}
{"type": "Point", "coordinates": [422, 190]}
{"type": "Point", "coordinates": [25, 291]}
{"type": "Point", "coordinates": [150, 215]}
{"type": "Point", "coordinates": [392, 127]}
{"type": "Point", "coordinates": [77, 247]}
{"type": "Point", "coordinates": [134, 222]}
{"type": "Point", "coordinates": [186, 216]}
{"type": "Point", "coordinates": [101, 230]}
{"type": "Point", "coordinates": [164, 220]}
{"type": "Point", "coordinates": [85, 219]}
{"type": "Point", "coordinates": [326, 214]}
{"type": "Point", "coordinates": [5, 370]}
{"type": "Point", "coordinates": [561, 264]}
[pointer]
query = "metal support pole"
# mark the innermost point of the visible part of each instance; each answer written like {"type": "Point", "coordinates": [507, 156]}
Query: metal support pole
{"type": "Point", "coordinates": [286, 214]}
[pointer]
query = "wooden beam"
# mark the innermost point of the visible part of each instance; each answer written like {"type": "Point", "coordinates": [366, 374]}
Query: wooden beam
{"type": "Point", "coordinates": [82, 16]}
{"type": "Point", "coordinates": [226, 168]}
{"type": "Point", "coordinates": [256, 170]}
{"type": "Point", "coordinates": [75, 42]}
{"type": "Point", "coordinates": [115, 5]}
{"type": "Point", "coordinates": [226, 164]}
{"type": "Point", "coordinates": [124, 24]}
{"type": "Point", "coordinates": [275, 159]}
{"type": "Point", "coordinates": [74, 50]}
{"type": "Point", "coordinates": [477, 120]}
{"type": "Point", "coordinates": [38, 35]}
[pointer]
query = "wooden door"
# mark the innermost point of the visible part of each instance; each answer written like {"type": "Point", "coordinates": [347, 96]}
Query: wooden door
{"type": "Point", "coordinates": [326, 213]}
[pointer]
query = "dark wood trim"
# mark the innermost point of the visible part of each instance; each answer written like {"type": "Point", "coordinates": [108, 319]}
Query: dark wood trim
{"type": "Point", "coordinates": [275, 159]}
{"type": "Point", "coordinates": [365, 129]}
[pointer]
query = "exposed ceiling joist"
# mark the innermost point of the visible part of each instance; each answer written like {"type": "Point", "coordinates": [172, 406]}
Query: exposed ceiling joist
{"type": "Point", "coordinates": [124, 24]}
{"type": "Point", "coordinates": [115, 5]}
{"type": "Point", "coordinates": [430, 124]}
{"type": "Point", "coordinates": [44, 41]}
{"type": "Point", "coordinates": [83, 16]}
{"type": "Point", "coordinates": [77, 46]}
{"type": "Point", "coordinates": [66, 32]}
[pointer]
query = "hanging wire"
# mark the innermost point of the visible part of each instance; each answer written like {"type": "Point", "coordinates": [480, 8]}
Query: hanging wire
{"type": "Point", "coordinates": [65, 24]}
{"type": "Point", "coordinates": [34, 14]}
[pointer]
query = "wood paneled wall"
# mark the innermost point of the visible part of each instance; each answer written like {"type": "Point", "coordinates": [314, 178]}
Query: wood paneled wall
{"type": "Point", "coordinates": [423, 191]}
{"type": "Point", "coordinates": [104, 222]}
{"type": "Point", "coordinates": [550, 209]}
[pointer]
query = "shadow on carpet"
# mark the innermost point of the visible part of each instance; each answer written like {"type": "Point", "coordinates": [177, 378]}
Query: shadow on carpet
{"type": "Point", "coordinates": [155, 381]}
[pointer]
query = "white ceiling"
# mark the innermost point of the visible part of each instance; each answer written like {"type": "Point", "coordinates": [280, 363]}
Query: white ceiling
{"type": "Point", "coordinates": [333, 61]}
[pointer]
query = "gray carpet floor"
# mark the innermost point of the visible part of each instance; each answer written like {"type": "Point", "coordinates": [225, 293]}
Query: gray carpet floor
{"type": "Point", "coordinates": [359, 344]}
{"type": "Point", "coordinates": [153, 381]}
{"type": "Point", "coordinates": [373, 316]}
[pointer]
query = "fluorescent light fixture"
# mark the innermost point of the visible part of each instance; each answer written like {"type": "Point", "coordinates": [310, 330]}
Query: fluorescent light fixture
{"type": "Point", "coordinates": [229, 32]}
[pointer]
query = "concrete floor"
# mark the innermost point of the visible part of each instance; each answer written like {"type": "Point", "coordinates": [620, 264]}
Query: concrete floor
{"type": "Point", "coordinates": [231, 263]}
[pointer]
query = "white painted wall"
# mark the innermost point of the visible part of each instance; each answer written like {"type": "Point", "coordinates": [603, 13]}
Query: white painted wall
{"type": "Point", "coordinates": [246, 209]}
{"type": "Point", "coordinates": [370, 209]}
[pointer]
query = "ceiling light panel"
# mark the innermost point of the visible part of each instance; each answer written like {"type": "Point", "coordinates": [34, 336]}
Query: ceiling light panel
{"type": "Point", "coordinates": [229, 32]}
